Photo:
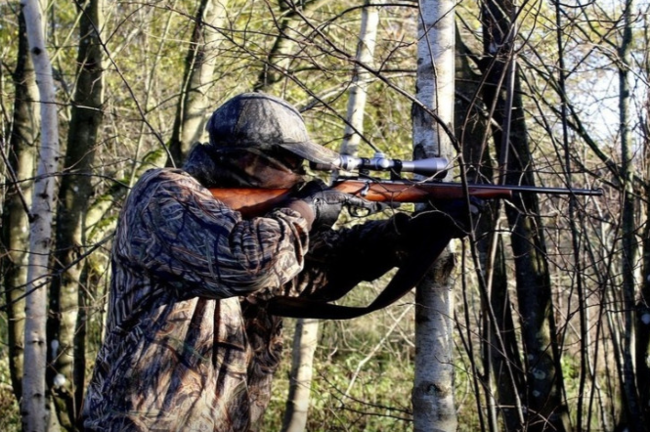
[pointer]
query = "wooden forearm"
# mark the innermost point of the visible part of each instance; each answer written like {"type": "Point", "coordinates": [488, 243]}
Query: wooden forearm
{"type": "Point", "coordinates": [252, 202]}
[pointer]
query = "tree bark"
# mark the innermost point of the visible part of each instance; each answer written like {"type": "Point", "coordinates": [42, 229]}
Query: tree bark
{"type": "Point", "coordinates": [630, 249]}
{"type": "Point", "coordinates": [358, 92]}
{"type": "Point", "coordinates": [74, 194]}
{"type": "Point", "coordinates": [302, 364]}
{"type": "Point", "coordinates": [643, 303]}
{"type": "Point", "coordinates": [502, 378]}
{"type": "Point", "coordinates": [433, 390]}
{"type": "Point", "coordinates": [295, 418]}
{"type": "Point", "coordinates": [544, 403]}
{"type": "Point", "coordinates": [33, 407]}
{"type": "Point", "coordinates": [199, 68]}
{"type": "Point", "coordinates": [279, 56]}
{"type": "Point", "coordinates": [15, 215]}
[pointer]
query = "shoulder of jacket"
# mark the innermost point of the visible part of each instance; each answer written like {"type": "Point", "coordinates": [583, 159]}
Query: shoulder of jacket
{"type": "Point", "coordinates": [156, 175]}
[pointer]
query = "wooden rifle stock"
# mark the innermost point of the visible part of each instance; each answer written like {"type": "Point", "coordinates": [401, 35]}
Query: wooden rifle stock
{"type": "Point", "coordinates": [254, 202]}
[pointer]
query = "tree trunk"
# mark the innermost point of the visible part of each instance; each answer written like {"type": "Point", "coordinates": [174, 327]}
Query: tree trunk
{"type": "Point", "coordinates": [502, 378]}
{"type": "Point", "coordinates": [295, 417]}
{"type": "Point", "coordinates": [358, 92]}
{"type": "Point", "coordinates": [433, 390]}
{"type": "Point", "coordinates": [545, 406]}
{"type": "Point", "coordinates": [632, 404]}
{"type": "Point", "coordinates": [201, 58]}
{"type": "Point", "coordinates": [643, 303]}
{"type": "Point", "coordinates": [15, 214]}
{"type": "Point", "coordinates": [33, 406]}
{"type": "Point", "coordinates": [302, 363]}
{"type": "Point", "coordinates": [279, 56]}
{"type": "Point", "coordinates": [74, 194]}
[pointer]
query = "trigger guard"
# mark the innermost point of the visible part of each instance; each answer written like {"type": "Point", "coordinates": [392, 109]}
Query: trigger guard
{"type": "Point", "coordinates": [358, 212]}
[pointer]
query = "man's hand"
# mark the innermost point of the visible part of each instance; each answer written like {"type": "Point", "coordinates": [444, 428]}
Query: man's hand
{"type": "Point", "coordinates": [327, 204]}
{"type": "Point", "coordinates": [451, 219]}
{"type": "Point", "coordinates": [457, 215]}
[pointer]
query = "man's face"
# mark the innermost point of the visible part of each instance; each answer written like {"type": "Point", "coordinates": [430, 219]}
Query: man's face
{"type": "Point", "coordinates": [273, 169]}
{"type": "Point", "coordinates": [270, 169]}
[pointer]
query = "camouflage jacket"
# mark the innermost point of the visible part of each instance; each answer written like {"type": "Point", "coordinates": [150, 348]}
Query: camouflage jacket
{"type": "Point", "coordinates": [188, 344]}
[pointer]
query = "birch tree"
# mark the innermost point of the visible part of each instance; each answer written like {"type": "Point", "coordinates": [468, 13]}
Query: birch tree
{"type": "Point", "coordinates": [40, 236]}
{"type": "Point", "coordinates": [20, 157]}
{"type": "Point", "coordinates": [302, 365]}
{"type": "Point", "coordinates": [433, 390]}
{"type": "Point", "coordinates": [358, 93]}
{"type": "Point", "coordinates": [305, 341]}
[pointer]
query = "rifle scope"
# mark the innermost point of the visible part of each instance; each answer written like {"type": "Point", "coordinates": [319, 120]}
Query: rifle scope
{"type": "Point", "coordinates": [437, 166]}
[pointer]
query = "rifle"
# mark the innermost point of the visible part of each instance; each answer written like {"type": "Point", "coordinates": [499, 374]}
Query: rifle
{"type": "Point", "coordinates": [252, 202]}
{"type": "Point", "coordinates": [255, 201]}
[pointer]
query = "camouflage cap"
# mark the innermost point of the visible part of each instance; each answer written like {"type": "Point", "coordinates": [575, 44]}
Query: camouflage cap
{"type": "Point", "coordinates": [265, 122]}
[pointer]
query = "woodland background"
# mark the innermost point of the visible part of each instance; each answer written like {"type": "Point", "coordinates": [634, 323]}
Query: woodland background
{"type": "Point", "coordinates": [551, 325]}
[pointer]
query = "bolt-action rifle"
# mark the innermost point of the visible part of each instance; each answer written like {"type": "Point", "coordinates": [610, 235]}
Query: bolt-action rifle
{"type": "Point", "coordinates": [253, 201]}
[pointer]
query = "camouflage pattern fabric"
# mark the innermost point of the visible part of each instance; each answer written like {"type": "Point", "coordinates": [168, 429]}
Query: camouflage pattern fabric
{"type": "Point", "coordinates": [188, 344]}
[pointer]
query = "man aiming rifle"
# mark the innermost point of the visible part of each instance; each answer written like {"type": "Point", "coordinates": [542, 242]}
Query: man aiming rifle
{"type": "Point", "coordinates": [191, 343]}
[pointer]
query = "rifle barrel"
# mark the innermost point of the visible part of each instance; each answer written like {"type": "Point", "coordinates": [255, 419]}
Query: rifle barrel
{"type": "Point", "coordinates": [427, 191]}
{"type": "Point", "coordinates": [536, 189]}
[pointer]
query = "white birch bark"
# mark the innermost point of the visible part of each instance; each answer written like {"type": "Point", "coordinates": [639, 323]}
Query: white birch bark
{"type": "Point", "coordinates": [302, 366]}
{"type": "Point", "coordinates": [358, 92]}
{"type": "Point", "coordinates": [306, 336]}
{"type": "Point", "coordinates": [15, 218]}
{"type": "Point", "coordinates": [433, 391]}
{"type": "Point", "coordinates": [40, 240]}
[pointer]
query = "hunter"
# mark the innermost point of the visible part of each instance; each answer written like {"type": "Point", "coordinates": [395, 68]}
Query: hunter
{"type": "Point", "coordinates": [189, 343]}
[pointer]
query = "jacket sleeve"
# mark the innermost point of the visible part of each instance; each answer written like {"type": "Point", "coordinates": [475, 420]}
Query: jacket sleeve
{"type": "Point", "coordinates": [339, 259]}
{"type": "Point", "coordinates": [179, 234]}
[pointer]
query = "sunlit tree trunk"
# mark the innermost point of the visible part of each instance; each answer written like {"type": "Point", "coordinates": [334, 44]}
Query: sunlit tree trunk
{"type": "Point", "coordinates": [358, 92]}
{"type": "Point", "coordinates": [75, 192]}
{"type": "Point", "coordinates": [20, 156]}
{"type": "Point", "coordinates": [433, 390]}
{"type": "Point", "coordinates": [279, 58]}
{"type": "Point", "coordinates": [40, 238]}
{"type": "Point", "coordinates": [302, 364]}
{"type": "Point", "coordinates": [305, 342]}
{"type": "Point", "coordinates": [194, 105]}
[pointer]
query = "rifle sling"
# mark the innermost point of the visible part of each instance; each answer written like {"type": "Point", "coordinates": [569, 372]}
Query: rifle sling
{"type": "Point", "coordinates": [420, 261]}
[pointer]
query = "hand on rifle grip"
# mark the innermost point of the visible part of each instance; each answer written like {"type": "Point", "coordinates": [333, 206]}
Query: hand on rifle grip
{"type": "Point", "coordinates": [458, 215]}
{"type": "Point", "coordinates": [327, 204]}
{"type": "Point", "coordinates": [451, 218]}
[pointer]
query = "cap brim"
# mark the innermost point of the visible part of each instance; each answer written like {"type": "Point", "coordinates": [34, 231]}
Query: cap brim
{"type": "Point", "coordinates": [313, 152]}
